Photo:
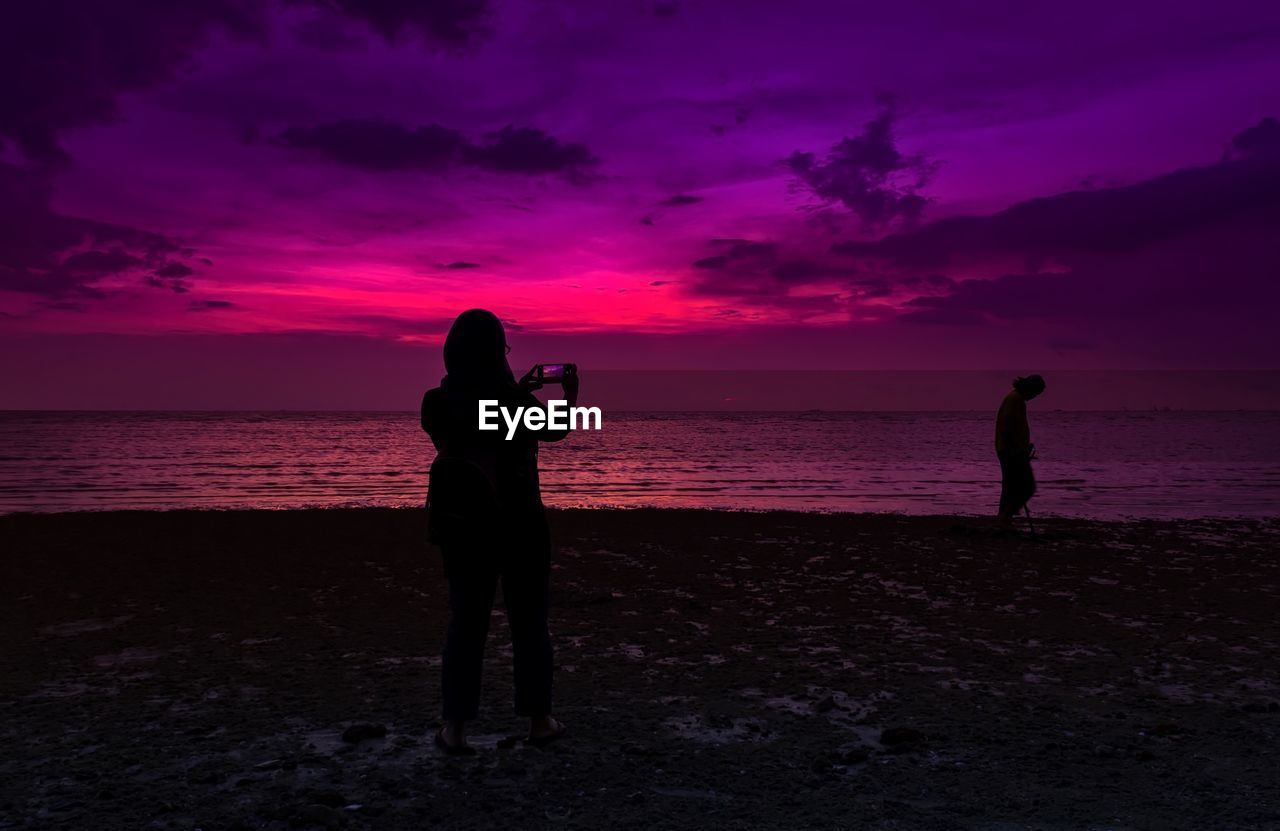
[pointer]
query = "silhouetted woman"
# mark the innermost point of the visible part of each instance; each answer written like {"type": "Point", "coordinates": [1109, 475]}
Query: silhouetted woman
{"type": "Point", "coordinates": [1014, 448]}
{"type": "Point", "coordinates": [485, 512]}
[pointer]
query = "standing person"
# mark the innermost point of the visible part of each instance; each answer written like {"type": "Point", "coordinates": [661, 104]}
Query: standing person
{"type": "Point", "coordinates": [1014, 448]}
{"type": "Point", "coordinates": [486, 514]}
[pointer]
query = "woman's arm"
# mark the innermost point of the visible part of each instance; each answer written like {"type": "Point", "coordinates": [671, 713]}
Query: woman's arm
{"type": "Point", "coordinates": [433, 417]}
{"type": "Point", "coordinates": [527, 385]}
{"type": "Point", "coordinates": [529, 402]}
{"type": "Point", "coordinates": [425, 415]}
{"type": "Point", "coordinates": [571, 396]}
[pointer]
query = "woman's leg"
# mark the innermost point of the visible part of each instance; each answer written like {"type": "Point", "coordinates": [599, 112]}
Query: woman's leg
{"type": "Point", "coordinates": [526, 580]}
{"type": "Point", "coordinates": [470, 605]}
{"type": "Point", "coordinates": [525, 591]}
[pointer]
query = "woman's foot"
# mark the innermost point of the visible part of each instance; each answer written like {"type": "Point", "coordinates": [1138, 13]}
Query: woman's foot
{"type": "Point", "coordinates": [544, 730]}
{"type": "Point", "coordinates": [452, 739]}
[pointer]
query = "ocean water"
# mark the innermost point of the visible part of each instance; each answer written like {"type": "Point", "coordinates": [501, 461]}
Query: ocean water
{"type": "Point", "coordinates": [1092, 464]}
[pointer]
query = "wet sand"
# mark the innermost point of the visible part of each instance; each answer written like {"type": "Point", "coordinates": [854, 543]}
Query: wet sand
{"type": "Point", "coordinates": [730, 670]}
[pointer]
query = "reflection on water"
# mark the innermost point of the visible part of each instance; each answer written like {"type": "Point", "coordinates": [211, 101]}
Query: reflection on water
{"type": "Point", "coordinates": [1166, 464]}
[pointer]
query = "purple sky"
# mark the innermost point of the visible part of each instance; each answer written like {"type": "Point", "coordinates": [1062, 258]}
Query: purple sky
{"type": "Point", "coordinates": [308, 184]}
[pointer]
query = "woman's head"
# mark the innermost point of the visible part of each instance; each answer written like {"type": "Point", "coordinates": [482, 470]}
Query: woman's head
{"type": "Point", "coordinates": [475, 350]}
{"type": "Point", "coordinates": [1029, 387]}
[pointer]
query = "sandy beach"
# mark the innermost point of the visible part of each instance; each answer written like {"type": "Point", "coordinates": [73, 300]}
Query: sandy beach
{"type": "Point", "coordinates": [733, 670]}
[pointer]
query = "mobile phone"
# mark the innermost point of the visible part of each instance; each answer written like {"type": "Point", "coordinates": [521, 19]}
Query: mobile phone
{"type": "Point", "coordinates": [554, 373]}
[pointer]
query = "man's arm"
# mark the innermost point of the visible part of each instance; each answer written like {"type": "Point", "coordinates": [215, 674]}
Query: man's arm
{"type": "Point", "coordinates": [1019, 429]}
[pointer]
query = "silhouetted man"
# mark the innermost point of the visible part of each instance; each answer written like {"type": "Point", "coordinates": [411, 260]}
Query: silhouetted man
{"type": "Point", "coordinates": [1014, 448]}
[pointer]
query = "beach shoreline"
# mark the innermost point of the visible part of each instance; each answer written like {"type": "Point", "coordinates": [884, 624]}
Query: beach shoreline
{"type": "Point", "coordinates": [740, 669]}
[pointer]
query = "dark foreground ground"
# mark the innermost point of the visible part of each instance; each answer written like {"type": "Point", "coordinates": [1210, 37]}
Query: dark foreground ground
{"type": "Point", "coordinates": [726, 670]}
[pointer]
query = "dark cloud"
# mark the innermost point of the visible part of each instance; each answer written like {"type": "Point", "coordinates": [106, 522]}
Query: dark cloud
{"type": "Point", "coordinates": [448, 22]}
{"type": "Point", "coordinates": [1154, 254]}
{"type": "Point", "coordinates": [1183, 264]}
{"type": "Point", "coordinates": [737, 250]}
{"type": "Point", "coordinates": [171, 276]}
{"type": "Point", "coordinates": [1011, 297]}
{"type": "Point", "coordinates": [801, 271]}
{"type": "Point", "coordinates": [327, 32]}
{"type": "Point", "coordinates": [47, 253]}
{"type": "Point", "coordinates": [944, 316]}
{"type": "Point", "coordinates": [868, 174]}
{"type": "Point", "coordinates": [661, 282]}
{"type": "Point", "coordinates": [458, 265]}
{"type": "Point", "coordinates": [1263, 137]}
{"type": "Point", "coordinates": [1102, 221]}
{"type": "Point", "coordinates": [95, 262]}
{"type": "Point", "coordinates": [680, 200]}
{"type": "Point", "coordinates": [740, 264]}
{"type": "Point", "coordinates": [740, 116]}
{"type": "Point", "coordinates": [174, 285]}
{"type": "Point", "coordinates": [1206, 283]}
{"type": "Point", "coordinates": [379, 145]}
{"type": "Point", "coordinates": [66, 62]}
{"type": "Point", "coordinates": [757, 272]}
{"type": "Point", "coordinates": [1189, 257]}
{"type": "Point", "coordinates": [528, 150]}
{"type": "Point", "coordinates": [211, 305]}
{"type": "Point", "coordinates": [171, 270]}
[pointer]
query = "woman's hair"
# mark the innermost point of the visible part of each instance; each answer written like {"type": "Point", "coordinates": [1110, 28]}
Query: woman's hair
{"type": "Point", "coordinates": [475, 351]}
{"type": "Point", "coordinates": [1030, 385]}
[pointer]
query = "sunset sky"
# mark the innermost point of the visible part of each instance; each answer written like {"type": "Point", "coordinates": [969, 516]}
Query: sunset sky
{"type": "Point", "coordinates": [314, 184]}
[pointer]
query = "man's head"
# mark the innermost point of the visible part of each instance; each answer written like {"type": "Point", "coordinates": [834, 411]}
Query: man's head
{"type": "Point", "coordinates": [1029, 387]}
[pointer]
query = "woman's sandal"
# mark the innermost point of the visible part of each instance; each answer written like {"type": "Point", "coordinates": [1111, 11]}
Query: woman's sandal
{"type": "Point", "coordinates": [453, 749]}
{"type": "Point", "coordinates": [543, 741]}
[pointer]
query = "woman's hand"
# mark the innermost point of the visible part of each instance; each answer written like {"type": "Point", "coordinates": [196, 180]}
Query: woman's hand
{"type": "Point", "coordinates": [529, 382]}
{"type": "Point", "coordinates": [571, 388]}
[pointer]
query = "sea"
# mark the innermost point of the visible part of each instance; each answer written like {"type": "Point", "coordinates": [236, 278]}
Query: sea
{"type": "Point", "coordinates": [1103, 465]}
